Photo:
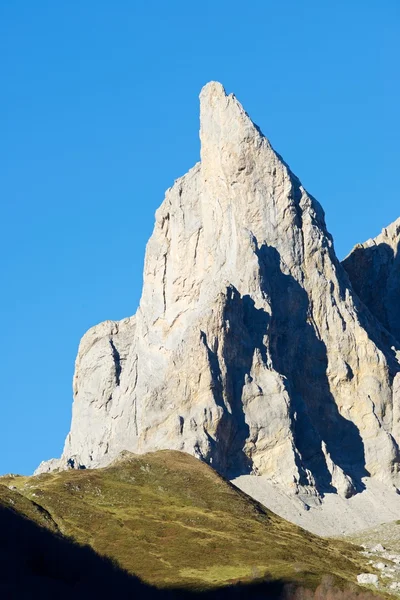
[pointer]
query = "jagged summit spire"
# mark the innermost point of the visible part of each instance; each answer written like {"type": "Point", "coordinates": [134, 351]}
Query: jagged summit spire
{"type": "Point", "coordinates": [392, 231]}
{"type": "Point", "coordinates": [213, 88]}
{"type": "Point", "coordinates": [220, 110]}
{"type": "Point", "coordinates": [228, 135]}
{"type": "Point", "coordinates": [248, 349]}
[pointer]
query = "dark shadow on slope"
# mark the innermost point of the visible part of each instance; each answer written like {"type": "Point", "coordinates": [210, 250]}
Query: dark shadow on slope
{"type": "Point", "coordinates": [299, 355]}
{"type": "Point", "coordinates": [370, 271]}
{"type": "Point", "coordinates": [37, 564]}
{"type": "Point", "coordinates": [244, 327]}
{"type": "Point", "coordinates": [326, 590]}
{"type": "Point", "coordinates": [394, 296]}
{"type": "Point", "coordinates": [374, 273]}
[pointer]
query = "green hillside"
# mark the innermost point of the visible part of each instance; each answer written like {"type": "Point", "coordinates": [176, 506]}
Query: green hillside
{"type": "Point", "coordinates": [174, 522]}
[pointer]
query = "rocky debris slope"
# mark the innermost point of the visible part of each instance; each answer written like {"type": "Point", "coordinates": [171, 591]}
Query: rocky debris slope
{"type": "Point", "coordinates": [374, 271]}
{"type": "Point", "coordinates": [331, 515]}
{"type": "Point", "coordinates": [381, 538]}
{"type": "Point", "coordinates": [249, 349]}
{"type": "Point", "coordinates": [387, 569]}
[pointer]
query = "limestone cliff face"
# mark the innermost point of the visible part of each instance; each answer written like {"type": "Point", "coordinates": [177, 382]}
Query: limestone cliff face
{"type": "Point", "coordinates": [374, 271]}
{"type": "Point", "coordinates": [249, 348]}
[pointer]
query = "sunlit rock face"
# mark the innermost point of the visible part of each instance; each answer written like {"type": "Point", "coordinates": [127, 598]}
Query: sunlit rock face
{"type": "Point", "coordinates": [249, 348]}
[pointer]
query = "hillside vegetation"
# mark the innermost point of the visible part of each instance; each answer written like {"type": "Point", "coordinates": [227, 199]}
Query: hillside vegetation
{"type": "Point", "coordinates": [172, 521]}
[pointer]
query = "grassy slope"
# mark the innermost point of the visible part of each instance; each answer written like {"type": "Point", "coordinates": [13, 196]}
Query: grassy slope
{"type": "Point", "coordinates": [172, 521]}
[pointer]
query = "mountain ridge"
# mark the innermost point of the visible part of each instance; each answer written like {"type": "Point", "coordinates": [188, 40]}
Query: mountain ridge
{"type": "Point", "coordinates": [375, 265]}
{"type": "Point", "coordinates": [249, 348]}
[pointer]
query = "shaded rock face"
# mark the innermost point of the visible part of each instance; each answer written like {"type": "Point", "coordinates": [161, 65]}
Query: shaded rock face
{"type": "Point", "coordinates": [249, 349]}
{"type": "Point", "coordinates": [374, 271]}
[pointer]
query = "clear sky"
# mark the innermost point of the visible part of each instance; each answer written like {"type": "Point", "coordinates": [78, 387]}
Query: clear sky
{"type": "Point", "coordinates": [99, 115]}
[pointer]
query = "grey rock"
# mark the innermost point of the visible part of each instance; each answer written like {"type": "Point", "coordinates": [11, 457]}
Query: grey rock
{"type": "Point", "coordinates": [378, 548]}
{"type": "Point", "coordinates": [374, 271]}
{"type": "Point", "coordinates": [249, 349]}
{"type": "Point", "coordinates": [380, 565]}
{"type": "Point", "coordinates": [395, 558]}
{"type": "Point", "coordinates": [368, 579]}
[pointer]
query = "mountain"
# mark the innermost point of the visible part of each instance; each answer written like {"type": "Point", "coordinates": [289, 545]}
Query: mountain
{"type": "Point", "coordinates": [158, 522]}
{"type": "Point", "coordinates": [374, 271]}
{"type": "Point", "coordinates": [250, 348]}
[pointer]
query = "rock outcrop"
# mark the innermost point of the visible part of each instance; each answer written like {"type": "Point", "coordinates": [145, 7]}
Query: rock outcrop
{"type": "Point", "coordinates": [249, 349]}
{"type": "Point", "coordinates": [374, 271]}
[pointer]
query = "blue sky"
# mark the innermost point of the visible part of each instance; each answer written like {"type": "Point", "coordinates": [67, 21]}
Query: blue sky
{"type": "Point", "coordinates": [98, 116]}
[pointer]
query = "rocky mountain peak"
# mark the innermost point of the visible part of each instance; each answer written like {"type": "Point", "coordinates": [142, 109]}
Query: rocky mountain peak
{"type": "Point", "coordinates": [227, 133]}
{"type": "Point", "coordinates": [374, 270]}
{"type": "Point", "coordinates": [249, 349]}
